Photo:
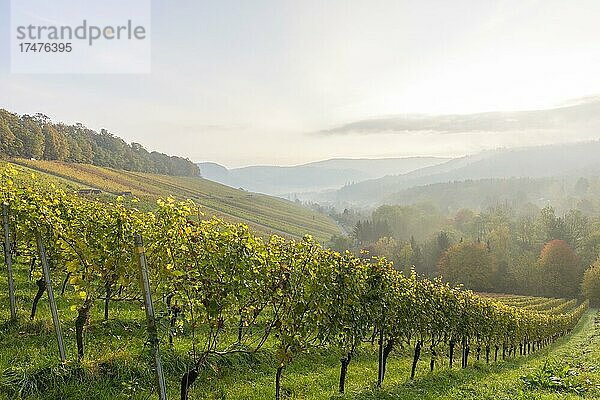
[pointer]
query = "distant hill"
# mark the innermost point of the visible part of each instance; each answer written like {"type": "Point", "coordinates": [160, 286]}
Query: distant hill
{"type": "Point", "coordinates": [521, 194]}
{"type": "Point", "coordinates": [37, 137]}
{"type": "Point", "coordinates": [316, 176]}
{"type": "Point", "coordinates": [527, 162]}
{"type": "Point", "coordinates": [266, 214]}
{"type": "Point", "coordinates": [214, 172]}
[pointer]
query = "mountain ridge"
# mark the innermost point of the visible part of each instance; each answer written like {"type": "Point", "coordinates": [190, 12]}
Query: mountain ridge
{"type": "Point", "coordinates": [532, 162]}
{"type": "Point", "coordinates": [314, 176]}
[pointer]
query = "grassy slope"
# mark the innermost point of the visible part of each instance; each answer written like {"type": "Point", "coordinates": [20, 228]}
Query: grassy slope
{"type": "Point", "coordinates": [117, 364]}
{"type": "Point", "coordinates": [265, 213]}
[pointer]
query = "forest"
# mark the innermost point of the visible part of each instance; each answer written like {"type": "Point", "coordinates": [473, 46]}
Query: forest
{"type": "Point", "coordinates": [500, 249]}
{"type": "Point", "coordinates": [37, 137]}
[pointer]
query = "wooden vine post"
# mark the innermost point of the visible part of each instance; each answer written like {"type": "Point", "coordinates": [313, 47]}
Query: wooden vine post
{"type": "Point", "coordinates": [8, 261]}
{"type": "Point", "coordinates": [51, 300]}
{"type": "Point", "coordinates": [381, 359]}
{"type": "Point", "coordinates": [152, 331]}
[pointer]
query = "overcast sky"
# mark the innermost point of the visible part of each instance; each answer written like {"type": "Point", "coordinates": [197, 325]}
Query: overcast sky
{"type": "Point", "coordinates": [269, 82]}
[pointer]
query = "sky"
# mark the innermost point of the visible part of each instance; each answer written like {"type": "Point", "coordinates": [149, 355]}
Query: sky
{"type": "Point", "coordinates": [271, 82]}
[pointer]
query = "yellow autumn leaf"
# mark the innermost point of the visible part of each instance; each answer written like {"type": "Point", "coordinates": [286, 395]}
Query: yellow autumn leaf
{"type": "Point", "coordinates": [71, 266]}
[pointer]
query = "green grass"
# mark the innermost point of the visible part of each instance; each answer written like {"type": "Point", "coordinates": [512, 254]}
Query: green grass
{"type": "Point", "coordinates": [117, 364]}
{"type": "Point", "coordinates": [267, 214]}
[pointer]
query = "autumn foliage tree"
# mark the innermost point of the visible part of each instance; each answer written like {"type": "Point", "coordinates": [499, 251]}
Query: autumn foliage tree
{"type": "Point", "coordinates": [471, 264]}
{"type": "Point", "coordinates": [591, 283]}
{"type": "Point", "coordinates": [558, 269]}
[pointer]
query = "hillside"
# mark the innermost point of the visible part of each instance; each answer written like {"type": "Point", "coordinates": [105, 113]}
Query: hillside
{"type": "Point", "coordinates": [265, 213]}
{"type": "Point", "coordinates": [532, 162]}
{"type": "Point", "coordinates": [315, 176]}
{"type": "Point", "coordinates": [563, 193]}
{"type": "Point", "coordinates": [37, 137]}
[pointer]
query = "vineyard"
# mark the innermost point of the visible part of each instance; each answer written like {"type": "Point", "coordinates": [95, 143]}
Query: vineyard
{"type": "Point", "coordinates": [265, 214]}
{"type": "Point", "coordinates": [540, 304]}
{"type": "Point", "coordinates": [193, 294]}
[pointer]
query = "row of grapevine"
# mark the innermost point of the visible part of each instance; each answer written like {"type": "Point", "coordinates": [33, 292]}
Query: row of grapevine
{"type": "Point", "coordinates": [563, 307]}
{"type": "Point", "coordinates": [526, 301]}
{"type": "Point", "coordinates": [227, 290]}
{"type": "Point", "coordinates": [541, 304]}
{"type": "Point", "coordinates": [551, 303]}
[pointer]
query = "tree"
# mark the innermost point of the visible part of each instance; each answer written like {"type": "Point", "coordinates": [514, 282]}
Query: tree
{"type": "Point", "coordinates": [386, 247]}
{"type": "Point", "coordinates": [591, 283]}
{"type": "Point", "coordinates": [8, 141]}
{"type": "Point", "coordinates": [32, 138]}
{"type": "Point", "coordinates": [363, 232]}
{"type": "Point", "coordinates": [405, 257]}
{"type": "Point", "coordinates": [576, 226]}
{"type": "Point", "coordinates": [558, 270]}
{"type": "Point", "coordinates": [381, 229]}
{"type": "Point", "coordinates": [589, 250]}
{"type": "Point", "coordinates": [443, 241]}
{"type": "Point", "coordinates": [55, 144]}
{"type": "Point", "coordinates": [417, 255]}
{"type": "Point", "coordinates": [470, 264]}
{"type": "Point", "coordinates": [464, 220]}
{"type": "Point", "coordinates": [549, 227]}
{"type": "Point", "coordinates": [522, 274]}
{"type": "Point", "coordinates": [341, 243]}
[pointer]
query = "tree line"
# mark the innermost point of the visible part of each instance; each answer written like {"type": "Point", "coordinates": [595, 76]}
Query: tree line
{"type": "Point", "coordinates": [500, 249]}
{"type": "Point", "coordinates": [36, 137]}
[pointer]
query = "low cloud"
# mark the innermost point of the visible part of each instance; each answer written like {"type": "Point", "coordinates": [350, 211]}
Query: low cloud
{"type": "Point", "coordinates": [581, 116]}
